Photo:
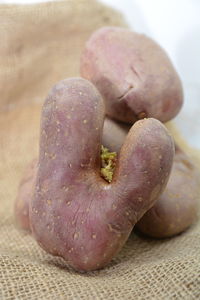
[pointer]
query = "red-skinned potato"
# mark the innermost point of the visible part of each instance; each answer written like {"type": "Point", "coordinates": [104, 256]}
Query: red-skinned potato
{"type": "Point", "coordinates": [74, 213]}
{"type": "Point", "coordinates": [177, 208]}
{"type": "Point", "coordinates": [114, 134]}
{"type": "Point", "coordinates": [133, 74]}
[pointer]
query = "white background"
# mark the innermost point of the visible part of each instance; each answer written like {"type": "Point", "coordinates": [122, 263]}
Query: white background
{"type": "Point", "coordinates": [175, 24]}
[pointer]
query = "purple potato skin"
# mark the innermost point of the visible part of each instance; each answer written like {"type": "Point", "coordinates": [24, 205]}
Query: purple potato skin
{"type": "Point", "coordinates": [74, 213]}
{"type": "Point", "coordinates": [25, 192]}
{"type": "Point", "coordinates": [178, 206]}
{"type": "Point", "coordinates": [114, 134]}
{"type": "Point", "coordinates": [134, 75]}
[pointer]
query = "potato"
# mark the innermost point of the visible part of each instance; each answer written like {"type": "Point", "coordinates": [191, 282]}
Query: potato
{"type": "Point", "coordinates": [74, 213]}
{"type": "Point", "coordinates": [114, 134]}
{"type": "Point", "coordinates": [25, 192]}
{"type": "Point", "coordinates": [177, 207]}
{"type": "Point", "coordinates": [134, 75]}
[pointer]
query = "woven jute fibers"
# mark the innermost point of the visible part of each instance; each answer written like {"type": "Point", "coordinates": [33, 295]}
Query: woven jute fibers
{"type": "Point", "coordinates": [40, 45]}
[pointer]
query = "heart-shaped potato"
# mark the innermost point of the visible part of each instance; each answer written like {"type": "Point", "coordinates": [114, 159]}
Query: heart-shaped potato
{"type": "Point", "coordinates": [74, 213]}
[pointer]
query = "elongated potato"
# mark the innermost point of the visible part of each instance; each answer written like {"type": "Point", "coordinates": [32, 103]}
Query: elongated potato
{"type": "Point", "coordinates": [177, 207]}
{"type": "Point", "coordinates": [74, 212]}
{"type": "Point", "coordinates": [134, 75]}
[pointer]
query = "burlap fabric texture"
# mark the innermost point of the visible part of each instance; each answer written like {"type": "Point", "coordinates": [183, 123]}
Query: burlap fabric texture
{"type": "Point", "coordinates": [41, 44]}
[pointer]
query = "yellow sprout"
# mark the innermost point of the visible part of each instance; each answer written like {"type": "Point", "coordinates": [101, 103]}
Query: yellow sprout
{"type": "Point", "coordinates": [108, 162]}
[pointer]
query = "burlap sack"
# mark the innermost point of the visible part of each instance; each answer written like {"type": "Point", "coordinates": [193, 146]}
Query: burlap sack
{"type": "Point", "coordinates": [40, 45]}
